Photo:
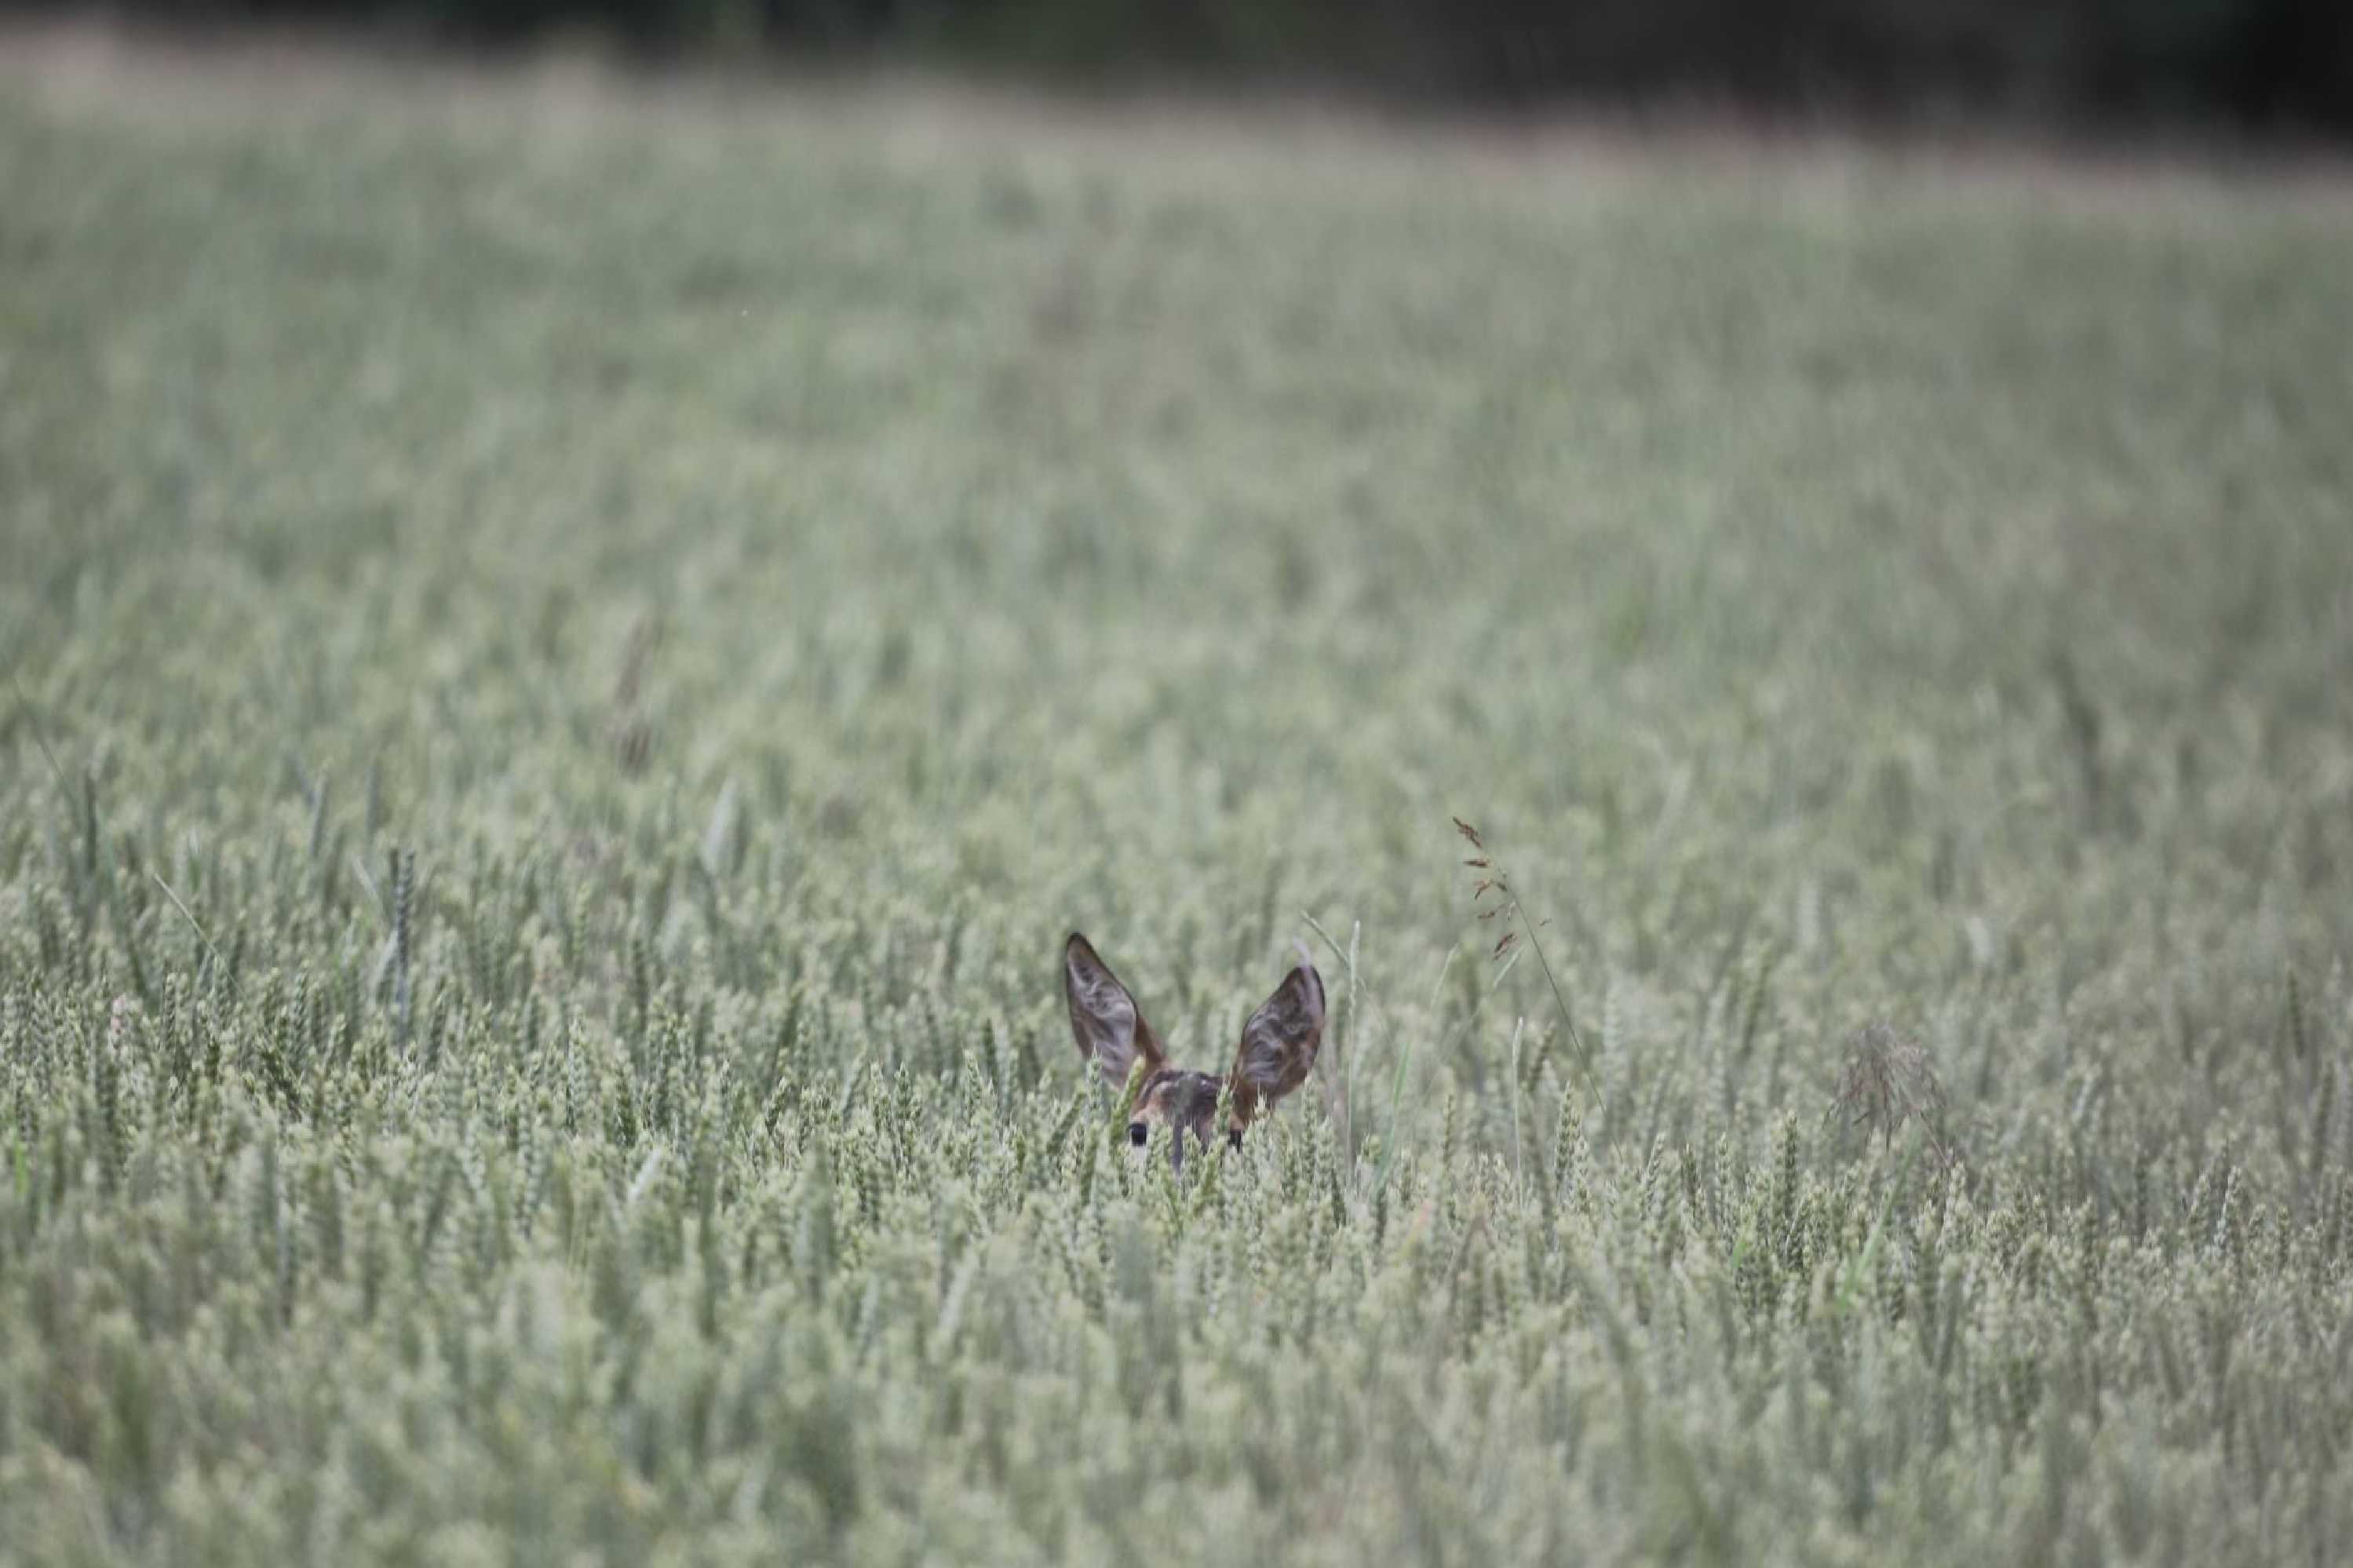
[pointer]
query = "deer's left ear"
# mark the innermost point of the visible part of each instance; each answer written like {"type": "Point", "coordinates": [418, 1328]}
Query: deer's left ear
{"type": "Point", "coordinates": [1104, 1019]}
{"type": "Point", "coordinates": [1277, 1049]}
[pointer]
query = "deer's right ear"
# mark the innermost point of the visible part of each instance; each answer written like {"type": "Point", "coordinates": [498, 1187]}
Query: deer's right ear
{"type": "Point", "coordinates": [1104, 1019]}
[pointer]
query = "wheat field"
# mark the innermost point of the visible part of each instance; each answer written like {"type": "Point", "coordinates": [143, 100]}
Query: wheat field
{"type": "Point", "coordinates": [576, 645]}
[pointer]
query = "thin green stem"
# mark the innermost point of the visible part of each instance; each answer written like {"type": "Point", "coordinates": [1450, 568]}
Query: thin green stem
{"type": "Point", "coordinates": [1584, 1056]}
{"type": "Point", "coordinates": [194, 924]}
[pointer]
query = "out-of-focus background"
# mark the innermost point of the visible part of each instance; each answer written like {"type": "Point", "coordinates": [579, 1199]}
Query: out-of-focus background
{"type": "Point", "coordinates": [2274, 66]}
{"type": "Point", "coordinates": [587, 594]}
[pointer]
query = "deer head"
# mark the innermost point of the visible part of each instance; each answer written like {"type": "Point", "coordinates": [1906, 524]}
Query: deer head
{"type": "Point", "coordinates": [1276, 1054]}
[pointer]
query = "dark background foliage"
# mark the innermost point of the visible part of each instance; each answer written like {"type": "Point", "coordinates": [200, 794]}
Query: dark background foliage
{"type": "Point", "coordinates": [2261, 66]}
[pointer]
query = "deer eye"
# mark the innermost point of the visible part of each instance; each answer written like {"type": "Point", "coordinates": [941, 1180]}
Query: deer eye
{"type": "Point", "coordinates": [1136, 1133]}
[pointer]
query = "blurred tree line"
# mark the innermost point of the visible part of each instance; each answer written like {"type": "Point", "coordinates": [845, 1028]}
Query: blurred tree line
{"type": "Point", "coordinates": [2257, 64]}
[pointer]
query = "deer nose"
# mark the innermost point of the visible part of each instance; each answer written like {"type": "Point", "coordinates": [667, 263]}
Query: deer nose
{"type": "Point", "coordinates": [1136, 1133]}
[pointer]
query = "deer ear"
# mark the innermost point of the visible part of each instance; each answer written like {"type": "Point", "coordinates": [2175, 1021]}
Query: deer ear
{"type": "Point", "coordinates": [1104, 1019]}
{"type": "Point", "coordinates": [1277, 1049]}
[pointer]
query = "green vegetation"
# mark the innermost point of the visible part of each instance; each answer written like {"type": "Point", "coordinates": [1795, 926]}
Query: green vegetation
{"type": "Point", "coordinates": [572, 655]}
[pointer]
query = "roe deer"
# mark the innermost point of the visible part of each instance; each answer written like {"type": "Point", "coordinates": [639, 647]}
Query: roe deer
{"type": "Point", "coordinates": [1277, 1049]}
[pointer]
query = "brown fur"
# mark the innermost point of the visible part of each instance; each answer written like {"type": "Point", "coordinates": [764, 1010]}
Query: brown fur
{"type": "Point", "coordinates": [1276, 1053]}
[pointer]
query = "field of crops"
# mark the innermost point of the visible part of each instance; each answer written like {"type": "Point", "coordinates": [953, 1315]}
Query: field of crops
{"type": "Point", "coordinates": [574, 651]}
